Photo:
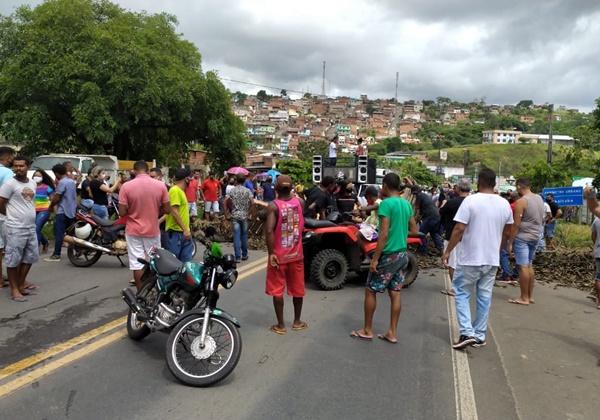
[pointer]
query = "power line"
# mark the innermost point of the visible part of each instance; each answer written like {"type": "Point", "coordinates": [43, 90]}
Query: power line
{"type": "Point", "coordinates": [263, 86]}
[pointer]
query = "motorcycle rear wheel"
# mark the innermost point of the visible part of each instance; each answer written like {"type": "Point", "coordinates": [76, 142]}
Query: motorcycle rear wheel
{"type": "Point", "coordinates": [136, 329]}
{"type": "Point", "coordinates": [202, 367]}
{"type": "Point", "coordinates": [82, 257]}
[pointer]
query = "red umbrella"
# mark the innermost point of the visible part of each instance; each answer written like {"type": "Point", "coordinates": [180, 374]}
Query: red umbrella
{"type": "Point", "coordinates": [236, 170]}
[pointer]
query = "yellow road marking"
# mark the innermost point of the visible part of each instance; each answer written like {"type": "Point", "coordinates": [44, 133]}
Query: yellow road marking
{"type": "Point", "coordinates": [57, 364]}
{"type": "Point", "coordinates": [59, 348]}
{"type": "Point", "coordinates": [21, 365]}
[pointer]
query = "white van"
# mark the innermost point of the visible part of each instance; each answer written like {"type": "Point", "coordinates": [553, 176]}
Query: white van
{"type": "Point", "coordinates": [82, 162]}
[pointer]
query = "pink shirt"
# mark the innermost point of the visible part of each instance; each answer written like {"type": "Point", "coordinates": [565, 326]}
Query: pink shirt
{"type": "Point", "coordinates": [143, 197]}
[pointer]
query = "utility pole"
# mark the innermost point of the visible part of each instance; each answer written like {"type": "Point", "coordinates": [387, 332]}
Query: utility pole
{"type": "Point", "coordinates": [396, 96]}
{"type": "Point", "coordinates": [549, 159]}
{"type": "Point", "coordinates": [323, 85]}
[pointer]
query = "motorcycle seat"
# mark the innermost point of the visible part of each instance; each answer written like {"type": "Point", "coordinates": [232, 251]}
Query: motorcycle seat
{"type": "Point", "coordinates": [167, 263]}
{"type": "Point", "coordinates": [310, 223]}
{"type": "Point", "coordinates": [101, 221]}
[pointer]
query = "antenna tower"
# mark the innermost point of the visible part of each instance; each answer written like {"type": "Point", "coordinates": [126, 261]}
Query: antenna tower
{"type": "Point", "coordinates": [396, 96]}
{"type": "Point", "coordinates": [323, 85]}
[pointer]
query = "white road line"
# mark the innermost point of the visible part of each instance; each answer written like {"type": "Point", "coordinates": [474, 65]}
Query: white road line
{"type": "Point", "coordinates": [466, 409]}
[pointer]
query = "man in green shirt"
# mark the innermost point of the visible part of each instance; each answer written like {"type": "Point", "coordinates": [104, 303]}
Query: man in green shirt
{"type": "Point", "coordinates": [179, 238]}
{"type": "Point", "coordinates": [388, 267]}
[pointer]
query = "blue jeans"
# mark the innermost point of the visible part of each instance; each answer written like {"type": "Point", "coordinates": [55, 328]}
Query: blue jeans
{"type": "Point", "coordinates": [61, 223]}
{"type": "Point", "coordinates": [542, 241]}
{"type": "Point", "coordinates": [41, 217]}
{"type": "Point", "coordinates": [332, 161]}
{"type": "Point", "coordinates": [550, 228]}
{"type": "Point", "coordinates": [466, 277]}
{"type": "Point", "coordinates": [100, 211]}
{"type": "Point", "coordinates": [430, 225]}
{"type": "Point", "coordinates": [240, 238]}
{"type": "Point", "coordinates": [183, 249]}
{"type": "Point", "coordinates": [505, 264]}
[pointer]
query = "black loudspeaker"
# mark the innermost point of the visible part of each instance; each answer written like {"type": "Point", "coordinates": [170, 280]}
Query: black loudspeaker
{"type": "Point", "coordinates": [362, 169]}
{"type": "Point", "coordinates": [372, 171]}
{"type": "Point", "coordinates": [317, 169]}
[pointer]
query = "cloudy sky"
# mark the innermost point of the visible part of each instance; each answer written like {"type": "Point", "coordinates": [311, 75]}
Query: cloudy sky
{"type": "Point", "coordinates": [503, 50]}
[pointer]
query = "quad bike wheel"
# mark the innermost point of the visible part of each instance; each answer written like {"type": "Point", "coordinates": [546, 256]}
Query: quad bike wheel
{"type": "Point", "coordinates": [329, 269]}
{"type": "Point", "coordinates": [411, 271]}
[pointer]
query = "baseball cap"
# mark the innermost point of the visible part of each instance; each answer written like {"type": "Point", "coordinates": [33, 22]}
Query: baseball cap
{"type": "Point", "coordinates": [283, 181]}
{"type": "Point", "coordinates": [181, 173]}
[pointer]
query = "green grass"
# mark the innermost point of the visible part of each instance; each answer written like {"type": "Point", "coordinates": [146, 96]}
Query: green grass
{"type": "Point", "coordinates": [572, 236]}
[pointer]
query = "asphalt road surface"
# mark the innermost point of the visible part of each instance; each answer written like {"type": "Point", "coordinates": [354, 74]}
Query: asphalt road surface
{"type": "Point", "coordinates": [65, 354]}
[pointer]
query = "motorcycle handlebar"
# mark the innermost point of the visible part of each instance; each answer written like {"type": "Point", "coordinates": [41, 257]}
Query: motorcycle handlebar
{"type": "Point", "coordinates": [142, 261]}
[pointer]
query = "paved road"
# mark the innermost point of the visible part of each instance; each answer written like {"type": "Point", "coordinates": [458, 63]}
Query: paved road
{"type": "Point", "coordinates": [541, 362]}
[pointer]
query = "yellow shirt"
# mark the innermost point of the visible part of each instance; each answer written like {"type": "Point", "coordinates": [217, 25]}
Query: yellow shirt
{"type": "Point", "coordinates": [373, 218]}
{"type": "Point", "coordinates": [177, 198]}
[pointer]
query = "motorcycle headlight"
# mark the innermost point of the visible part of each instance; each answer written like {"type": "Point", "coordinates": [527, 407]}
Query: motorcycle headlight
{"type": "Point", "coordinates": [228, 278]}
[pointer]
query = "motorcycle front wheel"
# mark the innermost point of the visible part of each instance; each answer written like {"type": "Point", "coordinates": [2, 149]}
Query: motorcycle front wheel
{"type": "Point", "coordinates": [82, 257]}
{"type": "Point", "coordinates": [199, 366]}
{"type": "Point", "coordinates": [136, 329]}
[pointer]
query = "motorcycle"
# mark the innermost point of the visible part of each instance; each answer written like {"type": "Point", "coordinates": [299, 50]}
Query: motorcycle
{"type": "Point", "coordinates": [92, 236]}
{"type": "Point", "coordinates": [204, 344]}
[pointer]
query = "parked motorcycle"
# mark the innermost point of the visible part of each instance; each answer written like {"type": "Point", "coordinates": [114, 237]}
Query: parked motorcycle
{"type": "Point", "coordinates": [204, 344]}
{"type": "Point", "coordinates": [92, 236]}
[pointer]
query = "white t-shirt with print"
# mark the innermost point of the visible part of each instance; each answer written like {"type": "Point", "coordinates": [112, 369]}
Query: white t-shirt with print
{"type": "Point", "coordinates": [485, 216]}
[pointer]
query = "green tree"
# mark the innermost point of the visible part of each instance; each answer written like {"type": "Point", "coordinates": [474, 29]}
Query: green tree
{"type": "Point", "coordinates": [525, 103]}
{"type": "Point", "coordinates": [239, 97]}
{"type": "Point", "coordinates": [262, 96]}
{"type": "Point", "coordinates": [370, 109]}
{"type": "Point", "coordinates": [307, 150]}
{"type": "Point", "coordinates": [596, 115]}
{"type": "Point", "coordinates": [90, 77]}
{"type": "Point", "coordinates": [307, 95]}
{"type": "Point", "coordinates": [299, 170]}
{"type": "Point", "coordinates": [412, 168]}
{"type": "Point", "coordinates": [283, 92]}
{"type": "Point", "coordinates": [587, 137]}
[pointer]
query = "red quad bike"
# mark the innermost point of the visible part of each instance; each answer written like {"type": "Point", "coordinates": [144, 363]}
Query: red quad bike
{"type": "Point", "coordinates": [331, 251]}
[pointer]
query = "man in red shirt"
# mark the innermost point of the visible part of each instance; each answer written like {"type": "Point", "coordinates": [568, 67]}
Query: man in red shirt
{"type": "Point", "coordinates": [192, 195]}
{"type": "Point", "coordinates": [210, 190]}
{"type": "Point", "coordinates": [283, 233]}
{"type": "Point", "coordinates": [141, 200]}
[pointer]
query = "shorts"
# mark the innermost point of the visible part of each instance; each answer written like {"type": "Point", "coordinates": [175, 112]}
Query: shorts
{"type": "Point", "coordinates": [211, 206]}
{"type": "Point", "coordinates": [452, 261]}
{"type": "Point", "coordinates": [524, 251]}
{"type": "Point", "coordinates": [549, 229]}
{"type": "Point", "coordinates": [138, 247]}
{"type": "Point", "coordinates": [291, 273]}
{"type": "Point", "coordinates": [20, 246]}
{"type": "Point", "coordinates": [391, 270]}
{"type": "Point", "coordinates": [193, 209]}
{"type": "Point", "coordinates": [597, 269]}
{"type": "Point", "coordinates": [1, 234]}
{"type": "Point", "coordinates": [369, 232]}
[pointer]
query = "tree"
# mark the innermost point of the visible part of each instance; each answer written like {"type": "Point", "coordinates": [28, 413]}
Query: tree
{"type": "Point", "coordinates": [307, 95]}
{"type": "Point", "coordinates": [525, 103]}
{"type": "Point", "coordinates": [587, 137]}
{"type": "Point", "coordinates": [307, 150]}
{"type": "Point", "coordinates": [370, 109]}
{"type": "Point", "coordinates": [284, 92]}
{"type": "Point", "coordinates": [299, 170]}
{"type": "Point", "coordinates": [262, 96]}
{"type": "Point", "coordinates": [414, 169]}
{"type": "Point", "coordinates": [90, 77]}
{"type": "Point", "coordinates": [239, 97]}
{"type": "Point", "coordinates": [596, 115]}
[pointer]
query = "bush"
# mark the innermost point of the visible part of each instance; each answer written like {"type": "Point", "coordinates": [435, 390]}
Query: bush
{"type": "Point", "coordinates": [571, 235]}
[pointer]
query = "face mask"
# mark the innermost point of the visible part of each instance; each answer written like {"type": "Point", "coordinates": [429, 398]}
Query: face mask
{"type": "Point", "coordinates": [102, 176]}
{"type": "Point", "coordinates": [445, 189]}
{"type": "Point", "coordinates": [37, 179]}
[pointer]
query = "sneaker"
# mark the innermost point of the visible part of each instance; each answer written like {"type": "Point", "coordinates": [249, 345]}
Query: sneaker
{"type": "Point", "coordinates": [514, 281]}
{"type": "Point", "coordinates": [52, 258]}
{"type": "Point", "coordinates": [478, 343]}
{"type": "Point", "coordinates": [504, 280]}
{"type": "Point", "coordinates": [463, 341]}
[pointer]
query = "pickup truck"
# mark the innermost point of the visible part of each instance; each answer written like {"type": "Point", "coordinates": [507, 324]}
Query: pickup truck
{"type": "Point", "coordinates": [81, 162]}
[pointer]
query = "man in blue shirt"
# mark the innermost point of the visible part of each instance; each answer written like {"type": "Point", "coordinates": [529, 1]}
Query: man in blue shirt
{"type": "Point", "coordinates": [66, 199]}
{"type": "Point", "coordinates": [268, 190]}
{"type": "Point", "coordinates": [6, 157]}
{"type": "Point", "coordinates": [249, 183]}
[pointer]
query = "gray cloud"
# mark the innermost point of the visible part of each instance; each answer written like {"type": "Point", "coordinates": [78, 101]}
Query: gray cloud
{"type": "Point", "coordinates": [502, 50]}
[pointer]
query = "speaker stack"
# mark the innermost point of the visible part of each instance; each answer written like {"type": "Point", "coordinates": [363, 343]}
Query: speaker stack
{"type": "Point", "coordinates": [362, 169]}
{"type": "Point", "coordinates": [317, 169]}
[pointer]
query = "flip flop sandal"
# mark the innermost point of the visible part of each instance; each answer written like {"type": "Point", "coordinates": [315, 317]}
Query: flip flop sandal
{"type": "Point", "coordinates": [32, 287]}
{"type": "Point", "coordinates": [385, 338]}
{"type": "Point", "coordinates": [300, 327]}
{"type": "Point", "coordinates": [356, 334]}
{"type": "Point", "coordinates": [18, 298]}
{"type": "Point", "coordinates": [517, 302]}
{"type": "Point", "coordinates": [447, 292]}
{"type": "Point", "coordinates": [272, 328]}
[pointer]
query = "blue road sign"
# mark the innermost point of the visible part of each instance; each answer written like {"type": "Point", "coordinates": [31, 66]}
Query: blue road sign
{"type": "Point", "coordinates": [566, 196]}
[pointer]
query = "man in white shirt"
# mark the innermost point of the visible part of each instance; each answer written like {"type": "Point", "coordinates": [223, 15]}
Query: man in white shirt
{"type": "Point", "coordinates": [482, 227]}
{"type": "Point", "coordinates": [333, 151]}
